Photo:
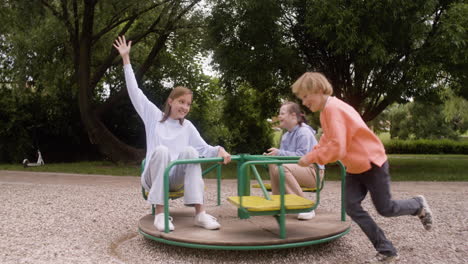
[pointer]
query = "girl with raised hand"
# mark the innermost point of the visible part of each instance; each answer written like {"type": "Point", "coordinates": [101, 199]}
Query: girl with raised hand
{"type": "Point", "coordinates": [169, 136]}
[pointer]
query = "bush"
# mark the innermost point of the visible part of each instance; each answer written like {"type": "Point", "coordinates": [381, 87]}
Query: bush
{"type": "Point", "coordinates": [423, 146]}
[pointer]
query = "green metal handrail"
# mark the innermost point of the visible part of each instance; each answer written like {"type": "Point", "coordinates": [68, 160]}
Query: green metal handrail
{"type": "Point", "coordinates": [343, 184]}
{"type": "Point", "coordinates": [281, 218]}
{"type": "Point", "coordinates": [166, 181]}
{"type": "Point", "coordinates": [243, 162]}
{"type": "Point", "coordinates": [206, 171]}
{"type": "Point", "coordinates": [260, 182]}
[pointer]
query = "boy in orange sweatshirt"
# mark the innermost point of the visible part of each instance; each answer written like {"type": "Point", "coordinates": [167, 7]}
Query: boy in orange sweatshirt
{"type": "Point", "coordinates": [346, 137]}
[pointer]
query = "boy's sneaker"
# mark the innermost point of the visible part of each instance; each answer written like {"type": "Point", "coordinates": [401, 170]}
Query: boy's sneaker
{"type": "Point", "coordinates": [159, 222]}
{"type": "Point", "coordinates": [306, 216]}
{"type": "Point", "coordinates": [206, 221]}
{"type": "Point", "coordinates": [381, 258]}
{"type": "Point", "coordinates": [425, 214]}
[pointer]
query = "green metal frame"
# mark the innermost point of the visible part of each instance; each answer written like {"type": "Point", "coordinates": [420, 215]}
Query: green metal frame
{"type": "Point", "coordinates": [234, 247]}
{"type": "Point", "coordinates": [166, 181]}
{"type": "Point", "coordinates": [245, 161]}
{"type": "Point", "coordinates": [218, 181]}
{"type": "Point", "coordinates": [280, 215]}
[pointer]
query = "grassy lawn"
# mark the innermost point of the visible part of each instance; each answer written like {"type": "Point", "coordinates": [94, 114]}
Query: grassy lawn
{"type": "Point", "coordinates": [86, 167]}
{"type": "Point", "coordinates": [402, 168]}
{"type": "Point", "coordinates": [422, 168]}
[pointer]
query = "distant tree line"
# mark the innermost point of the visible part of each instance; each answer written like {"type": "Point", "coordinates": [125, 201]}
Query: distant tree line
{"type": "Point", "coordinates": [62, 88]}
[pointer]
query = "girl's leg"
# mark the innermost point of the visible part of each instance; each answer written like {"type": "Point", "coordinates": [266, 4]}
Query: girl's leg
{"type": "Point", "coordinates": [305, 176]}
{"type": "Point", "coordinates": [153, 179]}
{"type": "Point", "coordinates": [189, 178]}
{"type": "Point", "coordinates": [292, 173]}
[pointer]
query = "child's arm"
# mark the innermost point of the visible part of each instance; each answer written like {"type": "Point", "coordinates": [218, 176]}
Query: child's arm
{"type": "Point", "coordinates": [197, 142]}
{"type": "Point", "coordinates": [332, 145]}
{"type": "Point", "coordinates": [144, 107]}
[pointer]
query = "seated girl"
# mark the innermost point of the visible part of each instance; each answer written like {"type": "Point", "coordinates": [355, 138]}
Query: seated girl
{"type": "Point", "coordinates": [297, 141]}
{"type": "Point", "coordinates": [169, 136]}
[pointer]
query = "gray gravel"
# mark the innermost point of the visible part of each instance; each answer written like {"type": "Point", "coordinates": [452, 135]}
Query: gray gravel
{"type": "Point", "coordinates": [66, 218]}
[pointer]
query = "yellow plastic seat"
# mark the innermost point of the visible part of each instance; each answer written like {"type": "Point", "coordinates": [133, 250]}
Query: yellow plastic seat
{"type": "Point", "coordinates": [260, 204]}
{"type": "Point", "coordinates": [268, 187]}
{"type": "Point", "coordinates": [172, 195]}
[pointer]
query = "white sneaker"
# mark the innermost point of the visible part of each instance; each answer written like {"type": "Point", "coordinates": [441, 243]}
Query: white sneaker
{"type": "Point", "coordinates": [206, 221]}
{"type": "Point", "coordinates": [425, 214]}
{"type": "Point", "coordinates": [306, 216]}
{"type": "Point", "coordinates": [159, 222]}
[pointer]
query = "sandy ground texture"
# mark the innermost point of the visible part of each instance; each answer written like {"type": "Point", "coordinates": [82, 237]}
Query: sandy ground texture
{"type": "Point", "coordinates": [68, 218]}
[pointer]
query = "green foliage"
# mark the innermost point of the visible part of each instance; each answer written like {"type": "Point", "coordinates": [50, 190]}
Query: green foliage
{"type": "Point", "coordinates": [45, 43]}
{"type": "Point", "coordinates": [420, 121]}
{"type": "Point", "coordinates": [374, 52]}
{"type": "Point", "coordinates": [15, 114]}
{"type": "Point", "coordinates": [250, 133]}
{"type": "Point", "coordinates": [207, 114]}
{"type": "Point", "coordinates": [456, 111]}
{"type": "Point", "coordinates": [381, 123]}
{"type": "Point", "coordinates": [450, 47]}
{"type": "Point", "coordinates": [424, 146]}
{"type": "Point", "coordinates": [31, 120]}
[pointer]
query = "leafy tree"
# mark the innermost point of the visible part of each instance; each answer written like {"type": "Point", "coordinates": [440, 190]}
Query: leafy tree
{"type": "Point", "coordinates": [32, 119]}
{"type": "Point", "coordinates": [249, 132]}
{"type": "Point", "coordinates": [420, 120]}
{"type": "Point", "coordinates": [450, 48]}
{"type": "Point", "coordinates": [374, 52]}
{"type": "Point", "coordinates": [455, 110]}
{"type": "Point", "coordinates": [71, 40]}
{"type": "Point", "coordinates": [207, 114]}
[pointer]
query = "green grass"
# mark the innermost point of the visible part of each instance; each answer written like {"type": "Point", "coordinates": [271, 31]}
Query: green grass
{"type": "Point", "coordinates": [402, 168]}
{"type": "Point", "coordinates": [421, 168]}
{"type": "Point", "coordinates": [86, 167]}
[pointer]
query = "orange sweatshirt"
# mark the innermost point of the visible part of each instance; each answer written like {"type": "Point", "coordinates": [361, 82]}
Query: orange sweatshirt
{"type": "Point", "coordinates": [347, 138]}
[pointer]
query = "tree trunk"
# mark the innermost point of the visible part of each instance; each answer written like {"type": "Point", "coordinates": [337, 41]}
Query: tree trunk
{"type": "Point", "coordinates": [98, 134]}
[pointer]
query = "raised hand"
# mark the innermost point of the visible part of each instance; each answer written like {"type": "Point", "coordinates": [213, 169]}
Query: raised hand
{"type": "Point", "coordinates": [123, 48]}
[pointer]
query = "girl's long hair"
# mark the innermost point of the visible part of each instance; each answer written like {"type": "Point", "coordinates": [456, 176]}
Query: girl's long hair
{"type": "Point", "coordinates": [175, 93]}
{"type": "Point", "coordinates": [295, 108]}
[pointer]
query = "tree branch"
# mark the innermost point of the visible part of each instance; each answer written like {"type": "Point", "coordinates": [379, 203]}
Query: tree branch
{"type": "Point", "coordinates": [62, 17]}
{"type": "Point", "coordinates": [115, 23]}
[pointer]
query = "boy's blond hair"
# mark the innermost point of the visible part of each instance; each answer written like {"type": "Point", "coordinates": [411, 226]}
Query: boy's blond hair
{"type": "Point", "coordinates": [312, 82]}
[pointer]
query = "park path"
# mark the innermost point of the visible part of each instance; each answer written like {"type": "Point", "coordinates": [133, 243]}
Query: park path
{"type": "Point", "coordinates": [71, 218]}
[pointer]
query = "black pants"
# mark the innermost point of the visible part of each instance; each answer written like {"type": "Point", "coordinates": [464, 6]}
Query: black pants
{"type": "Point", "coordinates": [377, 182]}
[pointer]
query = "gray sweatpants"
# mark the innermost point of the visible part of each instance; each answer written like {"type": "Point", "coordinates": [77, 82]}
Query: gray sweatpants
{"type": "Point", "coordinates": [377, 182]}
{"type": "Point", "coordinates": [183, 176]}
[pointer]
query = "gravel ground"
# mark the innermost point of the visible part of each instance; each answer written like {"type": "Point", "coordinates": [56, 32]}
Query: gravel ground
{"type": "Point", "coordinates": [66, 218]}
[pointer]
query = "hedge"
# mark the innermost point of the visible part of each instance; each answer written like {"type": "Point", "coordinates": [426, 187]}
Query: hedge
{"type": "Point", "coordinates": [424, 146]}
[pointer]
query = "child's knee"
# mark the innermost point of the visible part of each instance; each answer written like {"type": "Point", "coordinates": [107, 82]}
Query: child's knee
{"type": "Point", "coordinates": [159, 151]}
{"type": "Point", "coordinates": [352, 208]}
{"type": "Point", "coordinates": [273, 171]}
{"type": "Point", "coordinates": [190, 153]}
